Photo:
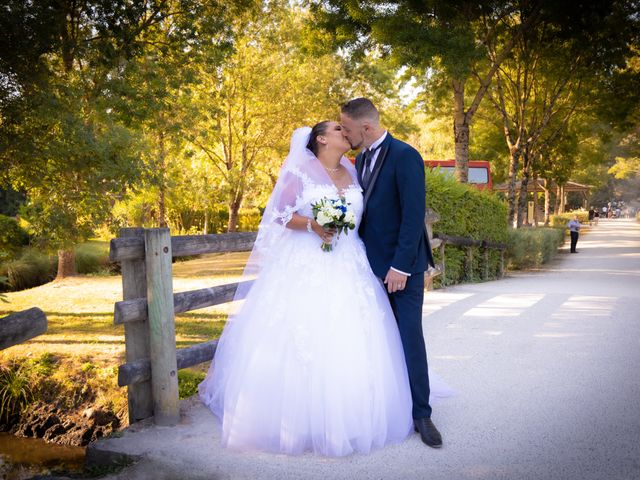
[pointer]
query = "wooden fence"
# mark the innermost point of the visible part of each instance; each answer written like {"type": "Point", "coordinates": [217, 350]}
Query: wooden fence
{"type": "Point", "coordinates": [22, 326]}
{"type": "Point", "coordinates": [484, 245]}
{"type": "Point", "coordinates": [149, 305]}
{"type": "Point", "coordinates": [147, 312]}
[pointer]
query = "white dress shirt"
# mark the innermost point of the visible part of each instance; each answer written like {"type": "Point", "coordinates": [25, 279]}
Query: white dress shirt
{"type": "Point", "coordinates": [373, 146]}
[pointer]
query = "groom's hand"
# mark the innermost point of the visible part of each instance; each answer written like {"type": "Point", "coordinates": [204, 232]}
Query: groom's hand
{"type": "Point", "coordinates": [395, 281]}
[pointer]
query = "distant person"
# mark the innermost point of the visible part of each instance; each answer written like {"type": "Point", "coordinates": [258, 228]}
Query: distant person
{"type": "Point", "coordinates": [592, 214]}
{"type": "Point", "coordinates": [596, 216]}
{"type": "Point", "coordinates": [574, 230]}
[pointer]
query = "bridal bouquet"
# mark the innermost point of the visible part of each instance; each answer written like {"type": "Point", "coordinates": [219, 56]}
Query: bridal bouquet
{"type": "Point", "coordinates": [333, 213]}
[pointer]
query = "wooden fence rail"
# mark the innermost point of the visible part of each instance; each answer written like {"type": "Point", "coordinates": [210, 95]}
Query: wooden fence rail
{"type": "Point", "coordinates": [132, 247]}
{"type": "Point", "coordinates": [470, 243]}
{"type": "Point", "coordinates": [22, 326]}
{"type": "Point", "coordinates": [149, 305]}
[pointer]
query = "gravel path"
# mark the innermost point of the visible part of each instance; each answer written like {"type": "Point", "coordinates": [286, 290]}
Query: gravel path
{"type": "Point", "coordinates": [547, 369]}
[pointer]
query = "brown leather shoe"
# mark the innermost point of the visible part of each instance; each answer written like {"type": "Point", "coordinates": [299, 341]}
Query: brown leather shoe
{"type": "Point", "coordinates": [428, 432]}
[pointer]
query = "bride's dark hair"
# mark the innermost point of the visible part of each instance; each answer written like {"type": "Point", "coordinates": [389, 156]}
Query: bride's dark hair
{"type": "Point", "coordinates": [318, 129]}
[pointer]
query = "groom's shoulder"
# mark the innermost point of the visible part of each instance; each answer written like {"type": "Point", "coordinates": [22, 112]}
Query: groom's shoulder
{"type": "Point", "coordinates": [404, 149]}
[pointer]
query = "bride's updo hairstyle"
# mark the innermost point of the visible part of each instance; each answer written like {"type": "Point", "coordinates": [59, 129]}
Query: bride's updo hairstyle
{"type": "Point", "coordinates": [317, 130]}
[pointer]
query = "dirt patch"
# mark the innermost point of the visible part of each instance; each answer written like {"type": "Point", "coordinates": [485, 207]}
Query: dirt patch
{"type": "Point", "coordinates": [52, 424]}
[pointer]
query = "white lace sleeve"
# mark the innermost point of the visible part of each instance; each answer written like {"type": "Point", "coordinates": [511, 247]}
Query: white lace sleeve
{"type": "Point", "coordinates": [290, 199]}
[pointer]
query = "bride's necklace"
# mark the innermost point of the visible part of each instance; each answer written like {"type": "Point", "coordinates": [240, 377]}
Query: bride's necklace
{"type": "Point", "coordinates": [332, 170]}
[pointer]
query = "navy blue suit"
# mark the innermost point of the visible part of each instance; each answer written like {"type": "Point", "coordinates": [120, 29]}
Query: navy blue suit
{"type": "Point", "coordinates": [394, 234]}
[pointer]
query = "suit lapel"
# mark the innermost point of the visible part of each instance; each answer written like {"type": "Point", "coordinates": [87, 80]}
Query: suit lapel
{"type": "Point", "coordinates": [359, 167]}
{"type": "Point", "coordinates": [382, 156]}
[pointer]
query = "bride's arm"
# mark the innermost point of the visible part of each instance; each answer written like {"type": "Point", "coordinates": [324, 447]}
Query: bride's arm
{"type": "Point", "coordinates": [300, 222]}
{"type": "Point", "coordinates": [288, 199]}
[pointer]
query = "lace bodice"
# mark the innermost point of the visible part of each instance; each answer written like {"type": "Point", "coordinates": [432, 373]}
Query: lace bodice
{"type": "Point", "coordinates": [303, 191]}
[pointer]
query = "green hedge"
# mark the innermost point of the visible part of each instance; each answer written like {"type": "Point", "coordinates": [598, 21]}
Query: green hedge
{"type": "Point", "coordinates": [531, 247]}
{"type": "Point", "coordinates": [92, 257]}
{"type": "Point", "coordinates": [31, 269]}
{"type": "Point", "coordinates": [465, 211]}
{"type": "Point", "coordinates": [561, 219]}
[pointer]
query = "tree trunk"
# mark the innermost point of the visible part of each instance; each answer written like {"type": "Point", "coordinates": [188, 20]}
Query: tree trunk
{"type": "Point", "coordinates": [66, 264]}
{"type": "Point", "coordinates": [514, 164]}
{"type": "Point", "coordinates": [234, 208]}
{"type": "Point", "coordinates": [562, 199]}
{"type": "Point", "coordinates": [547, 204]}
{"type": "Point", "coordinates": [162, 219]}
{"type": "Point", "coordinates": [556, 203]}
{"type": "Point", "coordinates": [206, 221]}
{"type": "Point", "coordinates": [460, 133]}
{"type": "Point", "coordinates": [522, 199]}
{"type": "Point", "coordinates": [535, 199]}
{"type": "Point", "coordinates": [235, 202]}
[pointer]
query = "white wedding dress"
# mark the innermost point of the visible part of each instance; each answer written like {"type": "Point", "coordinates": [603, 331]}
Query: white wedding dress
{"type": "Point", "coordinates": [313, 360]}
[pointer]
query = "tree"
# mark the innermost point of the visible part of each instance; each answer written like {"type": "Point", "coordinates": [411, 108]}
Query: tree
{"type": "Point", "coordinates": [536, 92]}
{"type": "Point", "coordinates": [157, 89]}
{"type": "Point", "coordinates": [443, 43]}
{"type": "Point", "coordinates": [264, 90]}
{"type": "Point", "coordinates": [553, 75]}
{"type": "Point", "coordinates": [67, 125]}
{"type": "Point", "coordinates": [58, 143]}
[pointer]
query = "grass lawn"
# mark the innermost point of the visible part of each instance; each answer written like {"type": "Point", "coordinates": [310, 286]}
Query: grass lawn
{"type": "Point", "coordinates": [80, 311]}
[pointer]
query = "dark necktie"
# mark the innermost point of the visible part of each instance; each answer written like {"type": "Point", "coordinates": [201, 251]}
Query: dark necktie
{"type": "Point", "coordinates": [367, 156]}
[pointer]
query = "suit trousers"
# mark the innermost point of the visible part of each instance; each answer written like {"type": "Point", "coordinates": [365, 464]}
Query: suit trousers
{"type": "Point", "coordinates": [407, 308]}
{"type": "Point", "coordinates": [574, 241]}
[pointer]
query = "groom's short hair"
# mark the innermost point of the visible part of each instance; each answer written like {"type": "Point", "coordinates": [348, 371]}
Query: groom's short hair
{"type": "Point", "coordinates": [360, 108]}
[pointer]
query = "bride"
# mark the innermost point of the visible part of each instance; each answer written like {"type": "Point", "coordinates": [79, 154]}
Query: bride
{"type": "Point", "coordinates": [312, 361]}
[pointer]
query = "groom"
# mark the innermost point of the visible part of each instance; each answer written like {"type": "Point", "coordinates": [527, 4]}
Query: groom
{"type": "Point", "coordinates": [392, 176]}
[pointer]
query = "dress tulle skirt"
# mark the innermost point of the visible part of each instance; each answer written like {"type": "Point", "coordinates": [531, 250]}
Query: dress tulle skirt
{"type": "Point", "coordinates": [313, 359]}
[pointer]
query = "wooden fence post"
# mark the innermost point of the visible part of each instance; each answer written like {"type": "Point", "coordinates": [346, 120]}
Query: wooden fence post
{"type": "Point", "coordinates": [162, 335]}
{"type": "Point", "coordinates": [430, 217]}
{"type": "Point", "coordinates": [136, 336]}
{"type": "Point", "coordinates": [470, 264]}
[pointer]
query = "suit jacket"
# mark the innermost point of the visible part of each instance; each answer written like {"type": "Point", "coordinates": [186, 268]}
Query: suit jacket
{"type": "Point", "coordinates": [392, 226]}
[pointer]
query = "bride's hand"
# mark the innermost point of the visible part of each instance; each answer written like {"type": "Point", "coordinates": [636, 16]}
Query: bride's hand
{"type": "Point", "coordinates": [325, 234]}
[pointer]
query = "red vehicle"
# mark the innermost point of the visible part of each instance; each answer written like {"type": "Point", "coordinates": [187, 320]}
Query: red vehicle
{"type": "Point", "coordinates": [479, 171]}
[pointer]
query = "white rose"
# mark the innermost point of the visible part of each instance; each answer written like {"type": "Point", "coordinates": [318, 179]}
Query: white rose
{"type": "Point", "coordinates": [323, 218]}
{"type": "Point", "coordinates": [349, 217]}
{"type": "Point", "coordinates": [329, 212]}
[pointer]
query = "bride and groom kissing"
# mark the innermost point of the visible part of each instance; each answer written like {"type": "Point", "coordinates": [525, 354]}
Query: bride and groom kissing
{"type": "Point", "coordinates": [326, 352]}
